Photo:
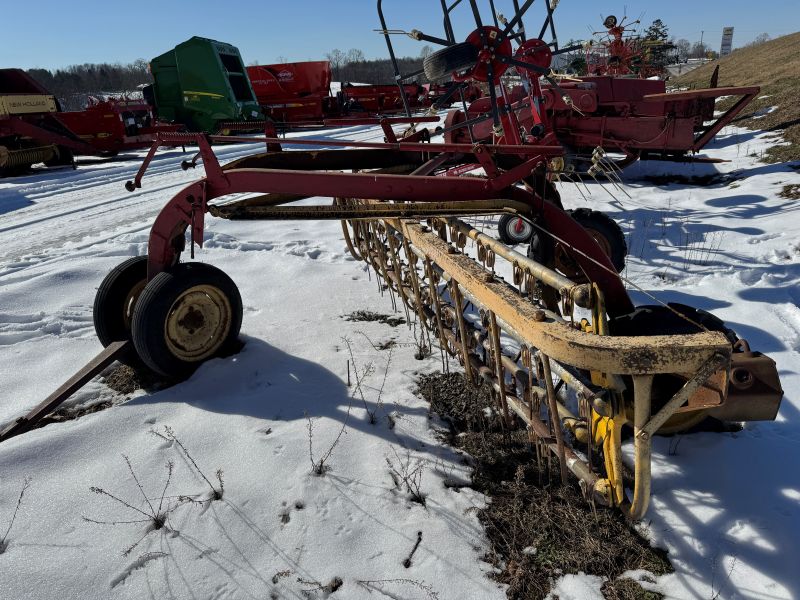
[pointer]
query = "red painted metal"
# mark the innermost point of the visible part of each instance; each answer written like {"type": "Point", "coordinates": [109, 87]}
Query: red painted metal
{"type": "Point", "coordinates": [293, 92]}
{"type": "Point", "coordinates": [114, 125]}
{"type": "Point", "coordinates": [299, 94]}
{"type": "Point", "coordinates": [186, 209]}
{"type": "Point", "coordinates": [488, 55]}
{"type": "Point", "coordinates": [631, 116]}
{"type": "Point", "coordinates": [44, 129]}
{"type": "Point", "coordinates": [381, 99]}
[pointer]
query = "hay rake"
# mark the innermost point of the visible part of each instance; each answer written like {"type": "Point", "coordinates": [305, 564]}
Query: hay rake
{"type": "Point", "coordinates": [566, 353]}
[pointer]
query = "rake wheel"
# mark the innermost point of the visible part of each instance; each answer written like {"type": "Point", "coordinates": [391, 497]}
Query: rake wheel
{"type": "Point", "coordinates": [458, 57]}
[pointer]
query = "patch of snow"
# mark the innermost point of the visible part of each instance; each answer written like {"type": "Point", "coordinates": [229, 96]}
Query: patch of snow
{"type": "Point", "coordinates": [578, 586]}
{"type": "Point", "coordinates": [763, 112]}
{"type": "Point", "coordinates": [725, 505]}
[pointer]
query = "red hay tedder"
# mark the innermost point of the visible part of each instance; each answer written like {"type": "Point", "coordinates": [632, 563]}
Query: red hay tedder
{"type": "Point", "coordinates": [626, 55]}
{"type": "Point", "coordinates": [560, 344]}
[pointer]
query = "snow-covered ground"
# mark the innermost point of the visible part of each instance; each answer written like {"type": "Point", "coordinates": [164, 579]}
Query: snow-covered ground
{"type": "Point", "coordinates": [725, 505]}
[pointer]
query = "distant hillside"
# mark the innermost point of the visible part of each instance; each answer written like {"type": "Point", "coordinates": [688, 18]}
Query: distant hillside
{"type": "Point", "coordinates": [775, 66]}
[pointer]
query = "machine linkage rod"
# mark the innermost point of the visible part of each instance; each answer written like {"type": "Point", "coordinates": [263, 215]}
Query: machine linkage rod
{"type": "Point", "coordinates": [67, 389]}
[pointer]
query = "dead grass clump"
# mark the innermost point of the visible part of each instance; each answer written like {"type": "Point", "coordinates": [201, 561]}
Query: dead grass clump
{"type": "Point", "coordinates": [367, 316]}
{"type": "Point", "coordinates": [774, 66]}
{"type": "Point", "coordinates": [790, 192]}
{"type": "Point", "coordinates": [537, 528]}
{"type": "Point", "coordinates": [126, 380]}
{"type": "Point", "coordinates": [627, 589]}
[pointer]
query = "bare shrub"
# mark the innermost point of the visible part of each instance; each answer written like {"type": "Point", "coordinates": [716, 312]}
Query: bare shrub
{"type": "Point", "coordinates": [4, 540]}
{"type": "Point", "coordinates": [366, 373]}
{"type": "Point", "coordinates": [320, 466]}
{"type": "Point", "coordinates": [407, 475]}
{"type": "Point", "coordinates": [216, 490]}
{"type": "Point", "coordinates": [155, 516]}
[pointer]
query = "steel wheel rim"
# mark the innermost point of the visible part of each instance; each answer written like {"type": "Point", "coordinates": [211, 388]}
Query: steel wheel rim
{"type": "Point", "coordinates": [519, 230]}
{"type": "Point", "coordinates": [198, 323]}
{"type": "Point", "coordinates": [130, 302]}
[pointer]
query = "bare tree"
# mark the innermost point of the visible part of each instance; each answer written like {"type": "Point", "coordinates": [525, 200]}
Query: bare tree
{"type": "Point", "coordinates": [759, 39]}
{"type": "Point", "coordinates": [682, 48]}
{"type": "Point", "coordinates": [354, 55]}
{"type": "Point", "coordinates": [337, 58]}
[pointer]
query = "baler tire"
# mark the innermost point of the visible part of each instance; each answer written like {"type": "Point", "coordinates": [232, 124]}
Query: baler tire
{"type": "Point", "coordinates": [443, 63]}
{"type": "Point", "coordinates": [186, 317]}
{"type": "Point", "coordinates": [114, 302]}
{"type": "Point", "coordinates": [64, 158]}
{"type": "Point", "coordinates": [507, 230]}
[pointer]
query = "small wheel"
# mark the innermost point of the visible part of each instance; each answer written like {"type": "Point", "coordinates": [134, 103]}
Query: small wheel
{"type": "Point", "coordinates": [605, 232]}
{"type": "Point", "coordinates": [62, 158]}
{"type": "Point", "coordinates": [185, 317]}
{"type": "Point", "coordinates": [114, 303]}
{"type": "Point", "coordinates": [458, 57]}
{"type": "Point", "coordinates": [514, 230]}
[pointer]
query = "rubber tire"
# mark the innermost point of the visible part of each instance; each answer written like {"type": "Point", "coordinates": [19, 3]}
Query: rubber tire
{"type": "Point", "coordinates": [608, 228]}
{"type": "Point", "coordinates": [660, 320]}
{"type": "Point", "coordinates": [447, 61]}
{"type": "Point", "coordinates": [155, 302]}
{"type": "Point", "coordinates": [656, 319]}
{"type": "Point", "coordinates": [65, 158]}
{"type": "Point", "coordinates": [511, 238]}
{"type": "Point", "coordinates": [109, 304]}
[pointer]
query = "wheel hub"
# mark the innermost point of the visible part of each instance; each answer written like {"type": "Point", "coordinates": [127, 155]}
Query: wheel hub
{"type": "Point", "coordinates": [198, 323]}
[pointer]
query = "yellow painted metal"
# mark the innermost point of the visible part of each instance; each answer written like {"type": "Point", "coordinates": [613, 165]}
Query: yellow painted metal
{"type": "Point", "coordinates": [615, 362]}
{"type": "Point", "coordinates": [26, 104]}
{"type": "Point", "coordinates": [198, 323]}
{"type": "Point", "coordinates": [607, 434]}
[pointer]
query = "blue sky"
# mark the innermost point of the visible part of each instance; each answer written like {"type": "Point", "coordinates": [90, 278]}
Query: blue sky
{"type": "Point", "coordinates": [52, 34]}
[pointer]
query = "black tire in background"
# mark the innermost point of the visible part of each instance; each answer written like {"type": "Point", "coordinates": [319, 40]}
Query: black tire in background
{"type": "Point", "coordinates": [64, 158]}
{"type": "Point", "coordinates": [599, 223]}
{"type": "Point", "coordinates": [113, 305]}
{"type": "Point", "coordinates": [444, 62]}
{"type": "Point", "coordinates": [513, 230]}
{"type": "Point", "coordinates": [186, 317]}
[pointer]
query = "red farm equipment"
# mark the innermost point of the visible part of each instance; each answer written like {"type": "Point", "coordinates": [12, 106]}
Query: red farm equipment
{"type": "Point", "coordinates": [382, 99]}
{"type": "Point", "coordinates": [619, 54]}
{"type": "Point", "coordinates": [574, 380]}
{"type": "Point", "coordinates": [30, 130]}
{"type": "Point", "coordinates": [299, 94]}
{"type": "Point", "coordinates": [115, 125]}
{"type": "Point", "coordinates": [295, 92]}
{"type": "Point", "coordinates": [33, 128]}
{"type": "Point", "coordinates": [615, 120]}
